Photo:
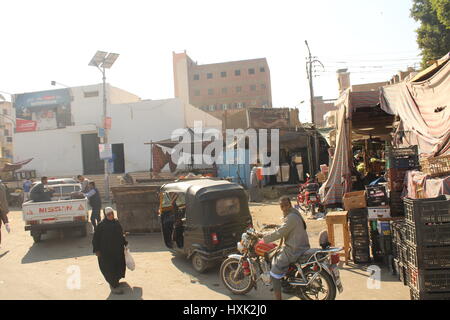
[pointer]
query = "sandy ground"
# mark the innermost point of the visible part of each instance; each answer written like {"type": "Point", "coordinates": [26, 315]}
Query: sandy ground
{"type": "Point", "coordinates": [50, 269]}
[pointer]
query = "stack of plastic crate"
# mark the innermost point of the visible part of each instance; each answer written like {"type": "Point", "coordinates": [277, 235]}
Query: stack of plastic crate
{"type": "Point", "coordinates": [428, 248]}
{"type": "Point", "coordinates": [399, 249]}
{"type": "Point", "coordinates": [399, 162]}
{"type": "Point", "coordinates": [359, 232]}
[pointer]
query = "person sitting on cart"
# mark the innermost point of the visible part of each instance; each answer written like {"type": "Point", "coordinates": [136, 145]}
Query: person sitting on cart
{"type": "Point", "coordinates": [39, 193]}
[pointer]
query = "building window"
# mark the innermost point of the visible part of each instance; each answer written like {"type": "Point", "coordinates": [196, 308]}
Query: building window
{"type": "Point", "coordinates": [265, 104]}
{"type": "Point", "coordinates": [237, 72]}
{"type": "Point", "coordinates": [210, 92]}
{"type": "Point", "coordinates": [9, 139]}
{"type": "Point", "coordinates": [239, 105]}
{"type": "Point", "coordinates": [253, 103]}
{"type": "Point", "coordinates": [212, 107]}
{"type": "Point", "coordinates": [224, 106]}
{"type": "Point", "coordinates": [6, 132]}
{"type": "Point", "coordinates": [238, 89]}
{"type": "Point", "coordinates": [262, 69]}
{"type": "Point", "coordinates": [224, 90]}
{"type": "Point", "coordinates": [196, 77]}
{"type": "Point", "coordinates": [209, 76]}
{"type": "Point", "coordinates": [253, 87]}
{"type": "Point", "coordinates": [223, 74]}
{"type": "Point", "coordinates": [91, 94]}
{"type": "Point", "coordinates": [197, 93]}
{"type": "Point", "coordinates": [251, 71]}
{"type": "Point", "coordinates": [263, 86]}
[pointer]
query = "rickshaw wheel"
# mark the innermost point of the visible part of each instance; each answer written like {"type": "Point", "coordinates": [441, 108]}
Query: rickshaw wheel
{"type": "Point", "coordinates": [200, 265]}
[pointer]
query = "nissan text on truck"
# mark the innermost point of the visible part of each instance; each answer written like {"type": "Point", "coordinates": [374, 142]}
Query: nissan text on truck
{"type": "Point", "coordinates": [61, 213]}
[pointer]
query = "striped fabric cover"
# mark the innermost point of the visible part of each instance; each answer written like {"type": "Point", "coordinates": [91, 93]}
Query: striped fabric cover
{"type": "Point", "coordinates": [424, 110]}
{"type": "Point", "coordinates": [339, 176]}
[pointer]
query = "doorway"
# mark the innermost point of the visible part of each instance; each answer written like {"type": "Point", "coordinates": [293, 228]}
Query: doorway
{"type": "Point", "coordinates": [92, 164]}
{"type": "Point", "coordinates": [118, 157]}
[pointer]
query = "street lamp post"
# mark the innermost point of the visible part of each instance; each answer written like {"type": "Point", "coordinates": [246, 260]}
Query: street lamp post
{"type": "Point", "coordinates": [102, 61]}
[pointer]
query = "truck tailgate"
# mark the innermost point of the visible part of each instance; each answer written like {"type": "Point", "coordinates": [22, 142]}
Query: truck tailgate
{"type": "Point", "coordinates": [53, 211]}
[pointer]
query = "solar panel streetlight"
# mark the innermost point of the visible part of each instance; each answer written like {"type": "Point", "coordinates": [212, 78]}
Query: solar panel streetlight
{"type": "Point", "coordinates": [103, 60]}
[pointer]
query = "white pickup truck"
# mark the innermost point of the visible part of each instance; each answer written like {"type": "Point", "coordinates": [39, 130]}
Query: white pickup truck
{"type": "Point", "coordinates": [61, 214]}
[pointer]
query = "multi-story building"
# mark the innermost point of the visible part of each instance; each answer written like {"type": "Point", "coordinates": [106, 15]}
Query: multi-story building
{"type": "Point", "coordinates": [6, 130]}
{"type": "Point", "coordinates": [322, 107]}
{"type": "Point", "coordinates": [222, 88]}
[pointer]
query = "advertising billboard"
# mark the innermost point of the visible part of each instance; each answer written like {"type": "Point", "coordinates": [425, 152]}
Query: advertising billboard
{"type": "Point", "coordinates": [43, 110]}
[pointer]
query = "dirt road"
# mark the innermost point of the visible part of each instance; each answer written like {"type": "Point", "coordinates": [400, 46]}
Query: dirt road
{"type": "Point", "coordinates": [51, 269]}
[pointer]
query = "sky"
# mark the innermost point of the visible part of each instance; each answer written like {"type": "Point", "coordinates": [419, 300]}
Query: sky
{"type": "Point", "coordinates": [54, 40]}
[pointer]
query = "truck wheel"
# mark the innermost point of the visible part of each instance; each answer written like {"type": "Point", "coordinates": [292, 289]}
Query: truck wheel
{"type": "Point", "coordinates": [37, 237]}
{"type": "Point", "coordinates": [200, 265]}
{"type": "Point", "coordinates": [83, 231]}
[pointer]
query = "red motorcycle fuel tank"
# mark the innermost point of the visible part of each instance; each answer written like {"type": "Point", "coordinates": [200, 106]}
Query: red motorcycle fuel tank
{"type": "Point", "coordinates": [261, 248]}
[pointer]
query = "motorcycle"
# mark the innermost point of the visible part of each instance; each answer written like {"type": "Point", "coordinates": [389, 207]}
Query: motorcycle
{"type": "Point", "coordinates": [308, 196]}
{"type": "Point", "coordinates": [315, 276]}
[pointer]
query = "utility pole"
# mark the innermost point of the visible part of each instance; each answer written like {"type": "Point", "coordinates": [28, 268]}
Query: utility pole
{"type": "Point", "coordinates": [104, 60]}
{"type": "Point", "coordinates": [309, 72]}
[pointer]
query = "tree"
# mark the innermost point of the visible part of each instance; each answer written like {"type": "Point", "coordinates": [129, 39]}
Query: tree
{"type": "Point", "coordinates": [442, 8]}
{"type": "Point", "coordinates": [433, 35]}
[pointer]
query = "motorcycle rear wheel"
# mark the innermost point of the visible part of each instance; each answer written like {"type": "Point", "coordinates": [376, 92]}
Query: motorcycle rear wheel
{"type": "Point", "coordinates": [317, 286]}
{"type": "Point", "coordinates": [227, 273]}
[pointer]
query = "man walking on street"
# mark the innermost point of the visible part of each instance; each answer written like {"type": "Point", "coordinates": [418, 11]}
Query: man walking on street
{"type": "Point", "coordinates": [4, 210]}
{"type": "Point", "coordinates": [95, 202]}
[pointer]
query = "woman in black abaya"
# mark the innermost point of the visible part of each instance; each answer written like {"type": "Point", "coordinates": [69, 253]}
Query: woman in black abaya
{"type": "Point", "coordinates": [109, 244]}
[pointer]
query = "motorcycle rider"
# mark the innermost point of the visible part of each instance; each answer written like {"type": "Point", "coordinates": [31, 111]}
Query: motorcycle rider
{"type": "Point", "coordinates": [296, 243]}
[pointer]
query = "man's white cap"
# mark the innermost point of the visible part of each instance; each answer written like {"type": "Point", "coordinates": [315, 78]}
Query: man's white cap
{"type": "Point", "coordinates": [108, 210]}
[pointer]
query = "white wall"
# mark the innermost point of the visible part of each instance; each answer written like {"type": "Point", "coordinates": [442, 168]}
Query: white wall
{"type": "Point", "coordinates": [90, 110]}
{"type": "Point", "coordinates": [151, 120]}
{"type": "Point", "coordinates": [139, 123]}
{"type": "Point", "coordinates": [55, 152]}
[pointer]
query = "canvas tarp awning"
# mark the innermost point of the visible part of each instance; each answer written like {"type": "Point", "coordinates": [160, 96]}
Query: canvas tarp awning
{"type": "Point", "coordinates": [339, 177]}
{"type": "Point", "coordinates": [9, 167]}
{"type": "Point", "coordinates": [424, 110]}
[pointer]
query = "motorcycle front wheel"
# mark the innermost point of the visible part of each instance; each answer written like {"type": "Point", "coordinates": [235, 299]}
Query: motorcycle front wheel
{"type": "Point", "coordinates": [238, 284]}
{"type": "Point", "coordinates": [321, 289]}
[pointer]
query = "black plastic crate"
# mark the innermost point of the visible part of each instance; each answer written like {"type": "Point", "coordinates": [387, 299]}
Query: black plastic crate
{"type": "Point", "coordinates": [361, 242]}
{"type": "Point", "coordinates": [428, 281]}
{"type": "Point", "coordinates": [428, 258]}
{"type": "Point", "coordinates": [378, 202]}
{"type": "Point", "coordinates": [357, 213]}
{"type": "Point", "coordinates": [398, 230]}
{"type": "Point", "coordinates": [403, 158]}
{"type": "Point", "coordinates": [361, 258]}
{"type": "Point", "coordinates": [419, 295]}
{"type": "Point", "coordinates": [396, 204]}
{"type": "Point", "coordinates": [403, 253]}
{"type": "Point", "coordinates": [385, 245]}
{"type": "Point", "coordinates": [431, 235]}
{"type": "Point", "coordinates": [376, 196]}
{"type": "Point", "coordinates": [400, 271]}
{"type": "Point", "coordinates": [358, 220]}
{"type": "Point", "coordinates": [436, 210]}
{"type": "Point", "coordinates": [359, 231]}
